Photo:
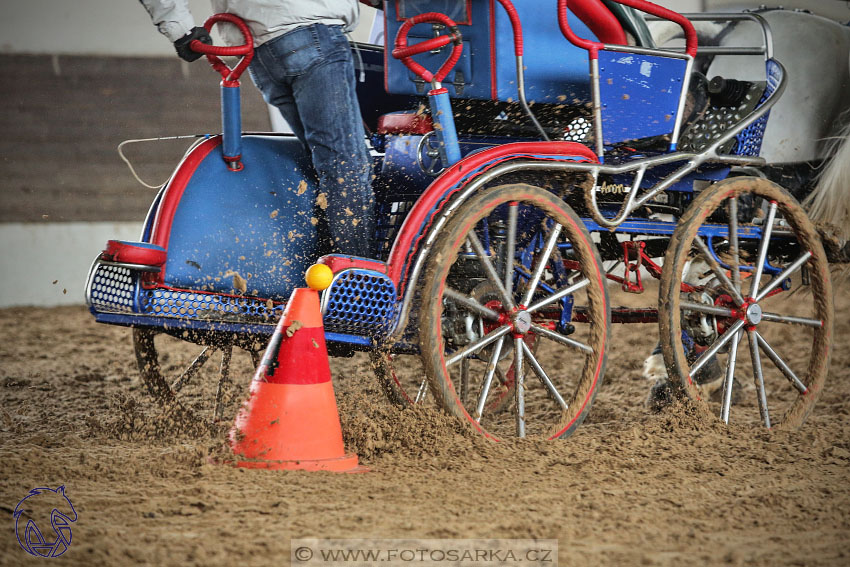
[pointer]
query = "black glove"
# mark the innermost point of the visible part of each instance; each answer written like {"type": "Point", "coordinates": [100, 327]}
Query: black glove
{"type": "Point", "coordinates": [182, 45]}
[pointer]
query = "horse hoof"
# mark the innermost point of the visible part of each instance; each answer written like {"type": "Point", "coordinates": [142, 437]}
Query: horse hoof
{"type": "Point", "coordinates": [660, 396]}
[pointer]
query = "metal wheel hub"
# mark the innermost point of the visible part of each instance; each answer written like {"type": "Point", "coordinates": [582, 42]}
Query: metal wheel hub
{"type": "Point", "coordinates": [753, 314]}
{"type": "Point", "coordinates": [522, 322]}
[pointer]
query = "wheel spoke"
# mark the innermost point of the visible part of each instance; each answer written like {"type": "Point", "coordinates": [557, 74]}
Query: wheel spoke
{"type": "Point", "coordinates": [422, 392]}
{"type": "Point", "coordinates": [513, 208]}
{"type": "Point", "coordinates": [488, 379]}
{"type": "Point", "coordinates": [733, 243]}
{"type": "Point", "coordinates": [551, 241]}
{"type": "Point", "coordinates": [192, 369]}
{"type": "Point", "coordinates": [492, 275]}
{"type": "Point", "coordinates": [470, 304]}
{"type": "Point", "coordinates": [481, 343]}
{"type": "Point", "coordinates": [782, 275]}
{"type": "Point", "coordinates": [730, 378]}
{"type": "Point", "coordinates": [707, 309]}
{"type": "Point", "coordinates": [763, 245]}
{"type": "Point", "coordinates": [559, 338]}
{"type": "Point", "coordinates": [520, 388]}
{"type": "Point", "coordinates": [558, 295]}
{"type": "Point", "coordinates": [255, 358]}
{"type": "Point", "coordinates": [718, 271]}
{"type": "Point", "coordinates": [780, 364]}
{"type": "Point", "coordinates": [776, 318]}
{"type": "Point", "coordinates": [758, 377]}
{"type": "Point", "coordinates": [713, 349]}
{"type": "Point", "coordinates": [223, 381]}
{"type": "Point", "coordinates": [501, 376]}
{"type": "Point", "coordinates": [544, 377]}
{"type": "Point", "coordinates": [464, 380]}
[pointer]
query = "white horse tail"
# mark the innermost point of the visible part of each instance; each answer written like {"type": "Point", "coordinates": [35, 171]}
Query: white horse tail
{"type": "Point", "coordinates": [828, 205]}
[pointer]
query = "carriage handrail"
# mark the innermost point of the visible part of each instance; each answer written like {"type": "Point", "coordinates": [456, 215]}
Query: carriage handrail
{"type": "Point", "coordinates": [594, 46]}
{"type": "Point", "coordinates": [766, 49]}
{"type": "Point", "coordinates": [693, 161]}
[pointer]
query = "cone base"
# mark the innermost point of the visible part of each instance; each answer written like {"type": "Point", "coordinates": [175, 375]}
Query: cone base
{"type": "Point", "coordinates": [347, 463]}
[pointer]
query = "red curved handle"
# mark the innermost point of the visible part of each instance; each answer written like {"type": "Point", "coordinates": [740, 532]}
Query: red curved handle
{"type": "Point", "coordinates": [515, 24]}
{"type": "Point", "coordinates": [404, 52]}
{"type": "Point", "coordinates": [214, 52]}
{"type": "Point", "coordinates": [643, 6]}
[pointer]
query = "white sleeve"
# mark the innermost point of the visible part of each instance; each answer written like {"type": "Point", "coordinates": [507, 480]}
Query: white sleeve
{"type": "Point", "coordinates": [171, 17]}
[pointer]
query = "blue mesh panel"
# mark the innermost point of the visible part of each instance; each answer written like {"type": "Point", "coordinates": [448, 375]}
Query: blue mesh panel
{"type": "Point", "coordinates": [112, 288]}
{"type": "Point", "coordinates": [191, 305]}
{"type": "Point", "coordinates": [750, 138]}
{"type": "Point", "coordinates": [360, 302]}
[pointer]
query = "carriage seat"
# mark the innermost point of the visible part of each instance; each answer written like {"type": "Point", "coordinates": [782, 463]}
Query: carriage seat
{"type": "Point", "coordinates": [487, 66]}
{"type": "Point", "coordinates": [485, 76]}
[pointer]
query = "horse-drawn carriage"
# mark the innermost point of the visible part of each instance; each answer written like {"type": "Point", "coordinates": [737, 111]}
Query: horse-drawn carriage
{"type": "Point", "coordinates": [521, 149]}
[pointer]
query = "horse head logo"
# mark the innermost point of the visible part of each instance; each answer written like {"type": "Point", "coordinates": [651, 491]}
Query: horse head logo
{"type": "Point", "coordinates": [38, 505]}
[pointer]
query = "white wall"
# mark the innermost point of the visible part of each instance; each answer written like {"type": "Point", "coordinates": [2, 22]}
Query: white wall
{"type": "Point", "coordinates": [47, 264]}
{"type": "Point", "coordinates": [98, 27]}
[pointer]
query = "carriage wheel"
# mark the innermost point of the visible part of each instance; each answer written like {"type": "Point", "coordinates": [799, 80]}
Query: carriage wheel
{"type": "Point", "coordinates": [482, 316]}
{"type": "Point", "coordinates": [173, 372]}
{"type": "Point", "coordinates": [746, 284]}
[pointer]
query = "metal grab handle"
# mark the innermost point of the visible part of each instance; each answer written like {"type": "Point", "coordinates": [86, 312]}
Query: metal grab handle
{"type": "Point", "coordinates": [643, 6]}
{"type": "Point", "coordinates": [404, 52]}
{"type": "Point", "coordinates": [214, 52]}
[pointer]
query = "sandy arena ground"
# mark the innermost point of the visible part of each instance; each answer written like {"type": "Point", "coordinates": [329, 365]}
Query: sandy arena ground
{"type": "Point", "coordinates": [630, 488]}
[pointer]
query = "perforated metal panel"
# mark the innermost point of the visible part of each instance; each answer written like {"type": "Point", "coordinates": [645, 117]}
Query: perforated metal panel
{"type": "Point", "coordinates": [111, 288]}
{"type": "Point", "coordinates": [718, 119]}
{"type": "Point", "coordinates": [750, 138]}
{"type": "Point", "coordinates": [359, 302]}
{"type": "Point", "coordinates": [578, 130]}
{"type": "Point", "coordinates": [186, 304]}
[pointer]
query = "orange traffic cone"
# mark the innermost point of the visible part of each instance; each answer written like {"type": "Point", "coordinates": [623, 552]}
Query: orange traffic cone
{"type": "Point", "coordinates": [290, 420]}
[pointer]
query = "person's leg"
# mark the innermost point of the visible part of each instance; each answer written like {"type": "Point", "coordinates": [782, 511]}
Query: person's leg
{"type": "Point", "coordinates": [313, 75]}
{"type": "Point", "coordinates": [326, 99]}
{"type": "Point", "coordinates": [274, 84]}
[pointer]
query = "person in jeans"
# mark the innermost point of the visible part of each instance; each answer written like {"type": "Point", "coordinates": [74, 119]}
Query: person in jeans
{"type": "Point", "coordinates": [303, 66]}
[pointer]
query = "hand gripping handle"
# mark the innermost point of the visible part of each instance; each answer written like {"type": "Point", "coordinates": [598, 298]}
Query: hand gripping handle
{"type": "Point", "coordinates": [214, 52]}
{"type": "Point", "coordinates": [405, 53]}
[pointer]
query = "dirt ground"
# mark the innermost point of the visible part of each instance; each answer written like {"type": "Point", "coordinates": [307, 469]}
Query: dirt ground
{"type": "Point", "coordinates": [630, 488]}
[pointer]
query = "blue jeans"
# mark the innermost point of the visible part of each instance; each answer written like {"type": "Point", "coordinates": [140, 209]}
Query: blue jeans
{"type": "Point", "coordinates": [308, 74]}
